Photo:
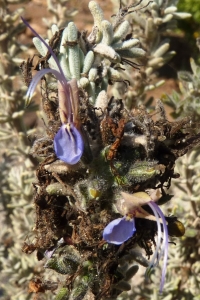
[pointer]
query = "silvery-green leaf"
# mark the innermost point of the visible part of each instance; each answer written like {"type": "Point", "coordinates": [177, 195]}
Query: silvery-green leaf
{"type": "Point", "coordinates": [64, 39]}
{"type": "Point", "coordinates": [149, 27]}
{"type": "Point", "coordinates": [84, 82]}
{"type": "Point", "coordinates": [54, 29]}
{"type": "Point", "coordinates": [181, 15]}
{"type": "Point", "coordinates": [121, 31]}
{"type": "Point", "coordinates": [154, 5]}
{"type": "Point", "coordinates": [73, 51]}
{"type": "Point", "coordinates": [159, 83]}
{"type": "Point", "coordinates": [107, 30]}
{"type": "Point", "coordinates": [168, 56]}
{"type": "Point", "coordinates": [170, 10]}
{"type": "Point", "coordinates": [97, 13]}
{"type": "Point", "coordinates": [155, 61]}
{"type": "Point", "coordinates": [92, 75]}
{"type": "Point", "coordinates": [161, 50]}
{"type": "Point", "coordinates": [114, 74]}
{"type": "Point", "coordinates": [64, 62]}
{"type": "Point", "coordinates": [167, 18]}
{"type": "Point", "coordinates": [149, 71]}
{"type": "Point", "coordinates": [126, 44]}
{"type": "Point", "coordinates": [18, 114]}
{"type": "Point", "coordinates": [57, 188]}
{"type": "Point", "coordinates": [88, 61]}
{"type": "Point", "coordinates": [160, 2]}
{"type": "Point", "coordinates": [101, 102]}
{"type": "Point", "coordinates": [98, 16]}
{"type": "Point", "coordinates": [132, 53]}
{"type": "Point", "coordinates": [155, 14]}
{"type": "Point", "coordinates": [72, 32]}
{"type": "Point", "coordinates": [92, 92]}
{"type": "Point", "coordinates": [38, 45]}
{"type": "Point", "coordinates": [107, 52]}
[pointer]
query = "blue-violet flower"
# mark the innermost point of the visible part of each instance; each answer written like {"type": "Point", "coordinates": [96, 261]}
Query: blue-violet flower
{"type": "Point", "coordinates": [68, 142]}
{"type": "Point", "coordinates": [120, 230]}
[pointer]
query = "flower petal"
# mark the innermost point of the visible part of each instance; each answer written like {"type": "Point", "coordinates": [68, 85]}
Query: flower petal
{"type": "Point", "coordinates": [35, 81]}
{"type": "Point", "coordinates": [60, 75]}
{"type": "Point", "coordinates": [164, 247]}
{"type": "Point", "coordinates": [155, 260]}
{"type": "Point", "coordinates": [68, 144]}
{"type": "Point", "coordinates": [118, 231]}
{"type": "Point", "coordinates": [46, 45]}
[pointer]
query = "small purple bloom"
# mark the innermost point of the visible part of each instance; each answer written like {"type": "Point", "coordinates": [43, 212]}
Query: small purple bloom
{"type": "Point", "coordinates": [68, 144]}
{"type": "Point", "coordinates": [119, 230]}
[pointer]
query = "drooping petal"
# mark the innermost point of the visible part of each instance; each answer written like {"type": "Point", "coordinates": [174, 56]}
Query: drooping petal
{"type": "Point", "coordinates": [164, 247]}
{"type": "Point", "coordinates": [60, 75]}
{"type": "Point", "coordinates": [118, 231]}
{"type": "Point", "coordinates": [154, 260]}
{"type": "Point", "coordinates": [36, 80]}
{"type": "Point", "coordinates": [68, 144]}
{"type": "Point", "coordinates": [46, 45]}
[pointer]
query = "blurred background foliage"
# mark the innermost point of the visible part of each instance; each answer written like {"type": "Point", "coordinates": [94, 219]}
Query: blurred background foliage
{"type": "Point", "coordinates": [191, 6]}
{"type": "Point", "coordinates": [191, 27]}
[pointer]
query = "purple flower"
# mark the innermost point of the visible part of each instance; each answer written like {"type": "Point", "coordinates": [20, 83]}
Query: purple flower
{"type": "Point", "coordinates": [68, 135]}
{"type": "Point", "coordinates": [118, 231]}
{"type": "Point", "coordinates": [68, 142]}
